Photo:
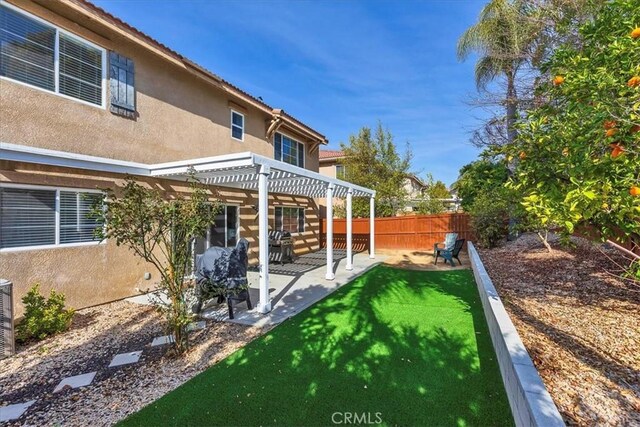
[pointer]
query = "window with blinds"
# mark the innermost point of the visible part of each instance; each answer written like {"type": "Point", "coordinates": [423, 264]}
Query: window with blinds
{"type": "Point", "coordinates": [80, 70]}
{"type": "Point", "coordinates": [288, 150]}
{"type": "Point", "coordinates": [34, 217]}
{"type": "Point", "coordinates": [27, 217]}
{"type": "Point", "coordinates": [41, 55]}
{"type": "Point", "coordinates": [27, 49]}
{"type": "Point", "coordinates": [289, 219]}
{"type": "Point", "coordinates": [76, 223]}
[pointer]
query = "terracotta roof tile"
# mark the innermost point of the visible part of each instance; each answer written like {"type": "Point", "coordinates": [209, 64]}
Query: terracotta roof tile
{"type": "Point", "coordinates": [330, 154]}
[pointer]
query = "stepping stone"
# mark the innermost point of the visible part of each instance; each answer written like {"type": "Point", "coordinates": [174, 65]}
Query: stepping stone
{"type": "Point", "coordinates": [125, 358]}
{"type": "Point", "coordinates": [166, 339]}
{"type": "Point", "coordinates": [12, 412]}
{"type": "Point", "coordinates": [75, 381]}
{"type": "Point", "coordinates": [193, 326]}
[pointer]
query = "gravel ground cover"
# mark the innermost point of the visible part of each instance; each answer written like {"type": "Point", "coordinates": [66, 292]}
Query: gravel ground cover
{"type": "Point", "coordinates": [578, 321]}
{"type": "Point", "coordinates": [97, 334]}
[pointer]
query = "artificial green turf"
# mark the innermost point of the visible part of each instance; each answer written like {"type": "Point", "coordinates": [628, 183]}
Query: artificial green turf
{"type": "Point", "coordinates": [401, 347]}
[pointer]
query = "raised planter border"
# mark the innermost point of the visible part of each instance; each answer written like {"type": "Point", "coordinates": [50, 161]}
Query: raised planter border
{"type": "Point", "coordinates": [531, 403]}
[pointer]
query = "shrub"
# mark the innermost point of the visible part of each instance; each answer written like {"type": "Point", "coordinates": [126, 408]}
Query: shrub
{"type": "Point", "coordinates": [490, 218]}
{"type": "Point", "coordinates": [43, 317]}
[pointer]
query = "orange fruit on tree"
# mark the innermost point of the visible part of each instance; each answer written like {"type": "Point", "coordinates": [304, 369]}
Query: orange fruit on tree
{"type": "Point", "coordinates": [635, 33]}
{"type": "Point", "coordinates": [522, 155]}
{"type": "Point", "coordinates": [558, 80]}
{"type": "Point", "coordinates": [617, 150]}
{"type": "Point", "coordinates": [635, 129]}
{"type": "Point", "coordinates": [634, 81]}
{"type": "Point", "coordinates": [634, 191]}
{"type": "Point", "coordinates": [610, 124]}
{"type": "Point", "coordinates": [611, 132]}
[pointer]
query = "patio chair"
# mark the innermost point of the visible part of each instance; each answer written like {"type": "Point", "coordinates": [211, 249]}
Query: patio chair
{"type": "Point", "coordinates": [449, 255]}
{"type": "Point", "coordinates": [222, 273]}
{"type": "Point", "coordinates": [449, 241]}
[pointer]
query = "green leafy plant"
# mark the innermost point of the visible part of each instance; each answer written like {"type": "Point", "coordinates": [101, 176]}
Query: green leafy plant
{"type": "Point", "coordinates": [43, 317]}
{"type": "Point", "coordinates": [373, 161]}
{"type": "Point", "coordinates": [479, 177]}
{"type": "Point", "coordinates": [161, 230]}
{"type": "Point", "coordinates": [490, 218]}
{"type": "Point", "coordinates": [578, 150]}
{"type": "Point", "coordinates": [431, 202]}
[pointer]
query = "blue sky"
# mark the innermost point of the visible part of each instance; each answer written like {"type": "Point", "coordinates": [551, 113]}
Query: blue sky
{"type": "Point", "coordinates": [337, 65]}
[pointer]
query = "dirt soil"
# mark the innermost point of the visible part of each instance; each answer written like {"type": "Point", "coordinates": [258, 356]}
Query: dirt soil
{"type": "Point", "coordinates": [96, 335]}
{"type": "Point", "coordinates": [422, 260]}
{"type": "Point", "coordinates": [580, 323]}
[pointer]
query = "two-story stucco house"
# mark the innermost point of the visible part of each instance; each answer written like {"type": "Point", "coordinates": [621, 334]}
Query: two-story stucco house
{"type": "Point", "coordinates": [86, 99]}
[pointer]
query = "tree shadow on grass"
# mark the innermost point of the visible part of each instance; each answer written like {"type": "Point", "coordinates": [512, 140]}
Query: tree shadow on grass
{"type": "Point", "coordinates": [402, 346]}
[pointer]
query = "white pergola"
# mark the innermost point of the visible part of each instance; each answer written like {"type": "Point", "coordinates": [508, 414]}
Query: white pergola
{"type": "Point", "coordinates": [246, 171]}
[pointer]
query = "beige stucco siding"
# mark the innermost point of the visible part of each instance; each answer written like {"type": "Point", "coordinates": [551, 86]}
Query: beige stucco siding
{"type": "Point", "coordinates": [99, 273]}
{"type": "Point", "coordinates": [180, 116]}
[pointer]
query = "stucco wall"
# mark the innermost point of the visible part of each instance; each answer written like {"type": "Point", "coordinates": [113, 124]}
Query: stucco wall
{"type": "Point", "coordinates": [328, 168]}
{"type": "Point", "coordinates": [99, 273]}
{"type": "Point", "coordinates": [180, 116]}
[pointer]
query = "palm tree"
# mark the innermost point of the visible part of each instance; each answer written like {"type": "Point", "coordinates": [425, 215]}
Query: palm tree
{"type": "Point", "coordinates": [504, 37]}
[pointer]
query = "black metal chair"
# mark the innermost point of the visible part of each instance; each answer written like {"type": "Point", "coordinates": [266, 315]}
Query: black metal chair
{"type": "Point", "coordinates": [450, 254]}
{"type": "Point", "coordinates": [222, 273]}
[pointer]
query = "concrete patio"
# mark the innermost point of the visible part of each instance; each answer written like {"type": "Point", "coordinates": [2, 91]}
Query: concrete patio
{"type": "Point", "coordinates": [290, 291]}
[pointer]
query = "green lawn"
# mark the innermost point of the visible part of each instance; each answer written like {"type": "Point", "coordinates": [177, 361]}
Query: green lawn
{"type": "Point", "coordinates": [397, 346]}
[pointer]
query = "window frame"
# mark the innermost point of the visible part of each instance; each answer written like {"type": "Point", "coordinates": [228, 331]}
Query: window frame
{"type": "Point", "coordinates": [299, 209]}
{"type": "Point", "coordinates": [56, 60]}
{"type": "Point", "coordinates": [301, 144]}
{"type": "Point", "coordinates": [57, 217]}
{"type": "Point", "coordinates": [232, 125]}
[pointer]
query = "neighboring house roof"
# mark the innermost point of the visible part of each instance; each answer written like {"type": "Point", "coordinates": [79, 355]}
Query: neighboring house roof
{"type": "Point", "coordinates": [327, 155]}
{"type": "Point", "coordinates": [417, 180]}
{"type": "Point", "coordinates": [223, 84]}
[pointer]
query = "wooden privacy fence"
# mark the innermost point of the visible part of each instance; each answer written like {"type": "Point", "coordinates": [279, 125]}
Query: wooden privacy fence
{"type": "Point", "coordinates": [402, 232]}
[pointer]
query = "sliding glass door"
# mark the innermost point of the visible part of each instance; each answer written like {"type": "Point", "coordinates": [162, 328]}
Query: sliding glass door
{"type": "Point", "coordinates": [224, 232]}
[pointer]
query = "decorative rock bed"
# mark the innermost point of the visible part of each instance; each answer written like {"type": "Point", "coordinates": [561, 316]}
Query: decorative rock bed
{"type": "Point", "coordinates": [106, 367]}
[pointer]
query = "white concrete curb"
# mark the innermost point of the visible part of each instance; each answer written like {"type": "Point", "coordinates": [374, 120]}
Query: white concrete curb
{"type": "Point", "coordinates": [531, 403]}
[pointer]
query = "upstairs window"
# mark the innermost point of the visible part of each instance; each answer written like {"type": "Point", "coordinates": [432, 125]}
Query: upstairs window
{"type": "Point", "coordinates": [237, 125]}
{"type": "Point", "coordinates": [38, 54]}
{"type": "Point", "coordinates": [340, 172]}
{"type": "Point", "coordinates": [288, 150]}
{"type": "Point", "coordinates": [289, 219]}
{"type": "Point", "coordinates": [37, 217]}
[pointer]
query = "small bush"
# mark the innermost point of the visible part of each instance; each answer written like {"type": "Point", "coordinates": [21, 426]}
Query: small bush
{"type": "Point", "coordinates": [490, 218]}
{"type": "Point", "coordinates": [43, 317]}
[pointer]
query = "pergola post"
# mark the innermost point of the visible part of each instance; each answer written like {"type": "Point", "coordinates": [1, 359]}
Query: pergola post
{"type": "Point", "coordinates": [264, 306]}
{"type": "Point", "coordinates": [372, 227]}
{"type": "Point", "coordinates": [349, 230]}
{"type": "Point", "coordinates": [330, 275]}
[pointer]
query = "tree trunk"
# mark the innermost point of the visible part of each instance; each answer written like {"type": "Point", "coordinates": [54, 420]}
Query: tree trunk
{"type": "Point", "coordinates": [512, 134]}
{"type": "Point", "coordinates": [512, 108]}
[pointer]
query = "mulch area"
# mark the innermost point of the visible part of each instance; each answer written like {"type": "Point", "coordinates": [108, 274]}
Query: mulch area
{"type": "Point", "coordinates": [580, 323]}
{"type": "Point", "coordinates": [96, 335]}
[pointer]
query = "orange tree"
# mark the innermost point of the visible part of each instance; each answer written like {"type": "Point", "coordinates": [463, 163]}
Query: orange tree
{"type": "Point", "coordinates": [578, 151]}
